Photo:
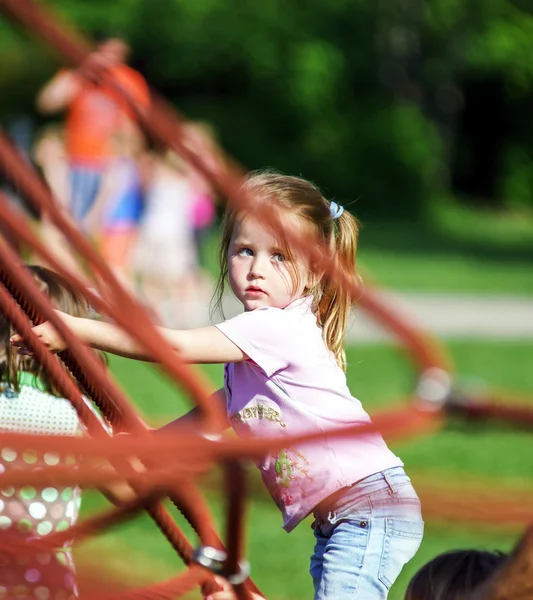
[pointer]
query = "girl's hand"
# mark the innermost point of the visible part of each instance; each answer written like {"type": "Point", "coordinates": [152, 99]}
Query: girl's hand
{"type": "Point", "coordinates": [47, 333]}
{"type": "Point", "coordinates": [227, 593]}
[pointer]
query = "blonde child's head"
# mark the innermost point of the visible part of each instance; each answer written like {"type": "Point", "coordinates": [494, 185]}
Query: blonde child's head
{"type": "Point", "coordinates": [322, 223]}
{"type": "Point", "coordinates": [64, 297]}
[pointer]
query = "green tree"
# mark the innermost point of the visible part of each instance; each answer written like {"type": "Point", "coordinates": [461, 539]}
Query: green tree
{"type": "Point", "coordinates": [363, 97]}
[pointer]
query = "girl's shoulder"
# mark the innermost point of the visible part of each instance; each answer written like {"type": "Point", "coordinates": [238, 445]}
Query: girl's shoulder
{"type": "Point", "coordinates": [28, 384]}
{"type": "Point", "coordinates": [268, 321]}
{"type": "Point", "coordinates": [32, 409]}
{"type": "Point", "coordinates": [275, 339]}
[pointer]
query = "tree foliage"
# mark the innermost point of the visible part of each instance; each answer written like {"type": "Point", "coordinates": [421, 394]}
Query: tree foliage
{"type": "Point", "coordinates": [366, 98]}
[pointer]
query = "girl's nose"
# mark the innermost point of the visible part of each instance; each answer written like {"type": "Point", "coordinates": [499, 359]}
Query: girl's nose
{"type": "Point", "coordinates": [256, 269]}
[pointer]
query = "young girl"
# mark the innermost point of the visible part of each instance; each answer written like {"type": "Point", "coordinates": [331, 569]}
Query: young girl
{"type": "Point", "coordinates": [117, 211]}
{"type": "Point", "coordinates": [284, 374]}
{"type": "Point", "coordinates": [29, 404]}
{"type": "Point", "coordinates": [50, 155]}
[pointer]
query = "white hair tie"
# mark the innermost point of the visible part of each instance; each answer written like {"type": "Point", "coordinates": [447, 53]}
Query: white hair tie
{"type": "Point", "coordinates": [335, 210]}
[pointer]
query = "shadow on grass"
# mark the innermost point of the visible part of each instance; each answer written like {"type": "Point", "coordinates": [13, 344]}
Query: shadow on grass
{"type": "Point", "coordinates": [431, 240]}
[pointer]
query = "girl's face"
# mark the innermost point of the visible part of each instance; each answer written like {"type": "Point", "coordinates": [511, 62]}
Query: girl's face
{"type": "Point", "coordinates": [259, 273]}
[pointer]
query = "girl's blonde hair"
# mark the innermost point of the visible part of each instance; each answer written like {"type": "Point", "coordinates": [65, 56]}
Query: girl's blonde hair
{"type": "Point", "coordinates": [65, 298]}
{"type": "Point", "coordinates": [337, 237]}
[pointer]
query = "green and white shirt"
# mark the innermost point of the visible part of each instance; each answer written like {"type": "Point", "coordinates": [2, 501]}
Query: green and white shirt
{"type": "Point", "coordinates": [31, 512]}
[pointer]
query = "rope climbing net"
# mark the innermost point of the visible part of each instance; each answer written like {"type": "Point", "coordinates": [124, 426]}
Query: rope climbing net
{"type": "Point", "coordinates": [158, 466]}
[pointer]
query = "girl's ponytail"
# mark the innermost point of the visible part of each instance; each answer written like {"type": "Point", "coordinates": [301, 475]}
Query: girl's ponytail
{"type": "Point", "coordinates": [334, 302]}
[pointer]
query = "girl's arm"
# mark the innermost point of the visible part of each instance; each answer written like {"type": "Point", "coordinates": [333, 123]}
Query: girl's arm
{"type": "Point", "coordinates": [59, 92]}
{"type": "Point", "coordinates": [227, 593]}
{"type": "Point", "coordinates": [122, 493]}
{"type": "Point", "coordinates": [192, 416]}
{"type": "Point", "coordinates": [202, 345]}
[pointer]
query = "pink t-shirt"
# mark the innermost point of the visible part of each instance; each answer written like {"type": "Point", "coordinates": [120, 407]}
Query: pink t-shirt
{"type": "Point", "coordinates": [292, 384]}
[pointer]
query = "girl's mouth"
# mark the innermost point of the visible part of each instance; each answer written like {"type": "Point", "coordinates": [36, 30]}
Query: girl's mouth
{"type": "Point", "coordinates": [252, 289]}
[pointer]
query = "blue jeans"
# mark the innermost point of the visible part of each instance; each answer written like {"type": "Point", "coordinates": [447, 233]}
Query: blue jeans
{"type": "Point", "coordinates": [364, 536]}
{"type": "Point", "coordinates": [85, 184]}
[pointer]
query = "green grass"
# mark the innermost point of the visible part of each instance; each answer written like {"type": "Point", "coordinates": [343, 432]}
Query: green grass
{"type": "Point", "coordinates": [455, 249]}
{"type": "Point", "coordinates": [380, 376]}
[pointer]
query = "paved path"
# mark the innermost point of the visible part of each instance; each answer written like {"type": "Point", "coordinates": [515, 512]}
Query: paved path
{"type": "Point", "coordinates": [447, 316]}
{"type": "Point", "coordinates": [454, 316]}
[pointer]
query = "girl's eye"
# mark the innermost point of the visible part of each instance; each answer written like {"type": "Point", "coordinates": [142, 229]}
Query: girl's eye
{"type": "Point", "coordinates": [278, 257]}
{"type": "Point", "coordinates": [245, 252]}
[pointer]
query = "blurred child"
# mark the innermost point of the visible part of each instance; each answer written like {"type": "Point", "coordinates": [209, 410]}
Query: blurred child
{"type": "Point", "coordinates": [116, 214]}
{"type": "Point", "coordinates": [285, 375]}
{"type": "Point", "coordinates": [165, 258]}
{"type": "Point", "coordinates": [50, 156]}
{"type": "Point", "coordinates": [30, 404]}
{"type": "Point", "coordinates": [198, 137]}
{"type": "Point", "coordinates": [20, 130]}
{"type": "Point", "coordinates": [454, 575]}
{"type": "Point", "coordinates": [94, 114]}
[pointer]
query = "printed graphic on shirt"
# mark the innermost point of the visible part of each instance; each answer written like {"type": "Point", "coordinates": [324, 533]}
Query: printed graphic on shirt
{"type": "Point", "coordinates": [291, 480]}
{"type": "Point", "coordinates": [257, 411]}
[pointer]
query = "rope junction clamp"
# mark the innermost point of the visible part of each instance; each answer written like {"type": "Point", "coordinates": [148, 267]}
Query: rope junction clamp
{"type": "Point", "coordinates": [434, 389]}
{"type": "Point", "coordinates": [214, 559]}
